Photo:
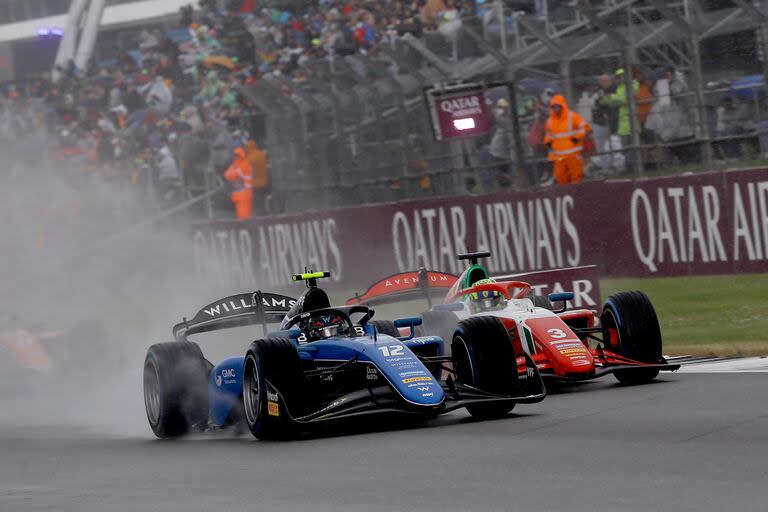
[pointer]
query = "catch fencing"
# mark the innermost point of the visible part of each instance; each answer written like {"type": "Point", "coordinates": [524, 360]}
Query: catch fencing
{"type": "Point", "coordinates": [354, 129]}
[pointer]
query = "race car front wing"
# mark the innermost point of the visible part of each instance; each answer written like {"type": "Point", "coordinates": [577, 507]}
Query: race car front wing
{"type": "Point", "coordinates": [384, 399]}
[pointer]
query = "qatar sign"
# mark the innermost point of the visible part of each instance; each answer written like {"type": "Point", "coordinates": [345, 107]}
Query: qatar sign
{"type": "Point", "coordinates": [458, 112]}
{"type": "Point", "coordinates": [709, 223]}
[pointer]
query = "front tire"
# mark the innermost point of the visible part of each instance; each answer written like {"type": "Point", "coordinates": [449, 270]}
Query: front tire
{"type": "Point", "coordinates": [176, 388]}
{"type": "Point", "coordinates": [271, 362]}
{"type": "Point", "coordinates": [484, 358]}
{"type": "Point", "coordinates": [631, 328]}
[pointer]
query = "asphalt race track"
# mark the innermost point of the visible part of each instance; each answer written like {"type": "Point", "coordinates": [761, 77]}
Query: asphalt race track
{"type": "Point", "coordinates": [689, 442]}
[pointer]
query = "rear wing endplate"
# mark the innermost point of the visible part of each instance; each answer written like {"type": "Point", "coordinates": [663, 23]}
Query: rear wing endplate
{"type": "Point", "coordinates": [236, 311]}
{"type": "Point", "coordinates": [422, 284]}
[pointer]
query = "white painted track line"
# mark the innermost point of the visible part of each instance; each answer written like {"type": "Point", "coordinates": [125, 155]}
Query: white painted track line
{"type": "Point", "coordinates": [735, 365]}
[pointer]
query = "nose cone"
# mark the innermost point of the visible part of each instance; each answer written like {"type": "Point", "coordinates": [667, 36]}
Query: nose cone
{"type": "Point", "coordinates": [571, 358]}
{"type": "Point", "coordinates": [408, 376]}
{"type": "Point", "coordinates": [421, 390]}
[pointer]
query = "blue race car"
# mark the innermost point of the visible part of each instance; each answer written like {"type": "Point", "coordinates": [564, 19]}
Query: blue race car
{"type": "Point", "coordinates": [324, 363]}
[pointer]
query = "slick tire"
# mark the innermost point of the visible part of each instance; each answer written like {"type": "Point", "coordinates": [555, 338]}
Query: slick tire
{"type": "Point", "coordinates": [631, 328]}
{"type": "Point", "coordinates": [386, 327]}
{"type": "Point", "coordinates": [272, 381]}
{"type": "Point", "coordinates": [542, 301]}
{"type": "Point", "coordinates": [484, 358]}
{"type": "Point", "coordinates": [176, 388]}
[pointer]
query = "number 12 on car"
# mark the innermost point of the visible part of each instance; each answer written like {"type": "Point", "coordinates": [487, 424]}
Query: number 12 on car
{"type": "Point", "coordinates": [391, 350]}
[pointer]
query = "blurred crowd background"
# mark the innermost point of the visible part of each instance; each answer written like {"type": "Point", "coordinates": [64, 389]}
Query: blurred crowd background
{"type": "Point", "coordinates": [319, 104]}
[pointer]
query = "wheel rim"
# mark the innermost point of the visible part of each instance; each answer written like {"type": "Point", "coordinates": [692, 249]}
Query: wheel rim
{"type": "Point", "coordinates": [461, 368]}
{"type": "Point", "coordinates": [612, 329]}
{"type": "Point", "coordinates": [251, 396]}
{"type": "Point", "coordinates": [152, 393]}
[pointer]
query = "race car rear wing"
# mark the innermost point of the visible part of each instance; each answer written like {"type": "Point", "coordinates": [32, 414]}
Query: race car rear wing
{"type": "Point", "coordinates": [236, 311]}
{"type": "Point", "coordinates": [422, 284]}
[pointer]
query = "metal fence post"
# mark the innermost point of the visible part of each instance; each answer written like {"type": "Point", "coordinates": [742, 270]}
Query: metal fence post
{"type": "Point", "coordinates": [565, 73]}
{"type": "Point", "coordinates": [701, 111]}
{"type": "Point", "coordinates": [634, 126]}
{"type": "Point", "coordinates": [207, 182]}
{"type": "Point", "coordinates": [517, 139]}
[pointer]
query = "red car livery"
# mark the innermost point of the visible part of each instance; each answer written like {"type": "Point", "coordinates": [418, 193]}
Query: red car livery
{"type": "Point", "coordinates": [624, 338]}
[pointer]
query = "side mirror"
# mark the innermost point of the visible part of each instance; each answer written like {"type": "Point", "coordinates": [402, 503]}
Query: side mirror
{"type": "Point", "coordinates": [407, 322]}
{"type": "Point", "coordinates": [410, 322]}
{"type": "Point", "coordinates": [563, 297]}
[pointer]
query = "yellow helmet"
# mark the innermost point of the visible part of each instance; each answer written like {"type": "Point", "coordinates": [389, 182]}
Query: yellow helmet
{"type": "Point", "coordinates": [486, 300]}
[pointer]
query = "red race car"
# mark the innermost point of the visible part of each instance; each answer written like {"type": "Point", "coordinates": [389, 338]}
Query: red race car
{"type": "Point", "coordinates": [567, 345]}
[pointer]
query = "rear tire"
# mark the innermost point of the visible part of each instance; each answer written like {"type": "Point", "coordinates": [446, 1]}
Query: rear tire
{"type": "Point", "coordinates": [275, 360]}
{"type": "Point", "coordinates": [484, 358]}
{"type": "Point", "coordinates": [631, 328]}
{"type": "Point", "coordinates": [176, 388]}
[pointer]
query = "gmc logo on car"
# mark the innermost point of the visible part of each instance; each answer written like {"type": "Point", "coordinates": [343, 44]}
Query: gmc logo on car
{"type": "Point", "coordinates": [229, 373]}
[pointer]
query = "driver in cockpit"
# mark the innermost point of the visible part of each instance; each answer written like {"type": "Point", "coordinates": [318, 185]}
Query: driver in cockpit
{"type": "Point", "coordinates": [324, 327]}
{"type": "Point", "coordinates": [488, 300]}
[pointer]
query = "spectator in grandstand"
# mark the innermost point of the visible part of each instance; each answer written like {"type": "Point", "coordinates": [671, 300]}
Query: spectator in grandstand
{"type": "Point", "coordinates": [620, 100]}
{"type": "Point", "coordinates": [405, 21]}
{"type": "Point", "coordinates": [501, 142]}
{"type": "Point", "coordinates": [168, 176]}
{"type": "Point", "coordinates": [730, 121]}
{"type": "Point", "coordinates": [431, 11]}
{"type": "Point", "coordinates": [193, 154]}
{"type": "Point", "coordinates": [670, 117]}
{"type": "Point", "coordinates": [103, 150]}
{"type": "Point", "coordinates": [219, 138]}
{"type": "Point", "coordinates": [240, 174]}
{"type": "Point", "coordinates": [565, 134]}
{"type": "Point", "coordinates": [603, 119]}
{"type": "Point", "coordinates": [644, 98]}
{"type": "Point", "coordinates": [157, 95]}
{"type": "Point", "coordinates": [590, 94]}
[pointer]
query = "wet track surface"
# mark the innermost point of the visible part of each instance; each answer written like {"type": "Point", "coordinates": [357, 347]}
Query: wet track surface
{"type": "Point", "coordinates": [689, 442]}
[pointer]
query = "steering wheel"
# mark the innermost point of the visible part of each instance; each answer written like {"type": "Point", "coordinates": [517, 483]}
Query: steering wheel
{"type": "Point", "coordinates": [344, 314]}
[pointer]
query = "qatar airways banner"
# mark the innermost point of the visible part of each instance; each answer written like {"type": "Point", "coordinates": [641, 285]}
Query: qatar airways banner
{"type": "Point", "coordinates": [713, 223]}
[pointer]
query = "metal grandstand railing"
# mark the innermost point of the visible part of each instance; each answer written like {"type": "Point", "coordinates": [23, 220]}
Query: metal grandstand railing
{"type": "Point", "coordinates": [355, 129]}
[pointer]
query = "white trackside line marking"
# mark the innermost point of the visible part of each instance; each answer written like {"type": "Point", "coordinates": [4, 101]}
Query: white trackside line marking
{"type": "Point", "coordinates": [738, 365]}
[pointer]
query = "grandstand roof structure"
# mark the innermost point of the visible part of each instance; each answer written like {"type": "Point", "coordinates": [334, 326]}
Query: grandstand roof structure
{"type": "Point", "coordinates": [654, 30]}
{"type": "Point", "coordinates": [122, 14]}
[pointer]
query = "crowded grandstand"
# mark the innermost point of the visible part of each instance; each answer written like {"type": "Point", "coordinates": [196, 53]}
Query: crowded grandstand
{"type": "Point", "coordinates": [323, 101]}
